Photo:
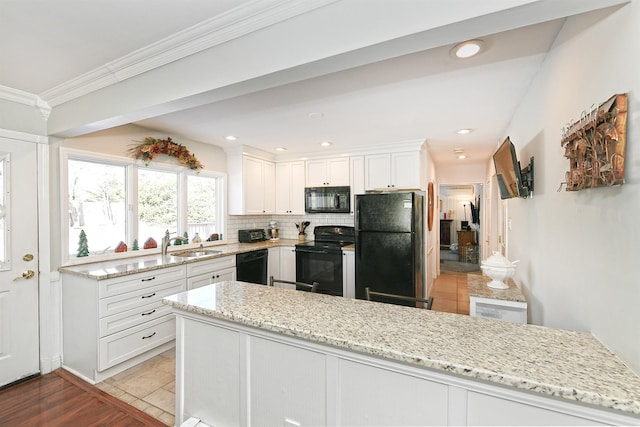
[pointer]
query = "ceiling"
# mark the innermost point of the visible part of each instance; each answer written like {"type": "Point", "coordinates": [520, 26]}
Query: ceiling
{"type": "Point", "coordinates": [394, 81]}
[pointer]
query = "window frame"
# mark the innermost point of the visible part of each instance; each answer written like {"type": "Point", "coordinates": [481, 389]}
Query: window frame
{"type": "Point", "coordinates": [131, 167]}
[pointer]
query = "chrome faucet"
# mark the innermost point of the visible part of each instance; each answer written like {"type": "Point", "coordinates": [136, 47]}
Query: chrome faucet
{"type": "Point", "coordinates": [166, 241]}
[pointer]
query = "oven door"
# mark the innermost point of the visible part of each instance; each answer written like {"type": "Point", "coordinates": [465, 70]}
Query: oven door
{"type": "Point", "coordinates": [324, 267]}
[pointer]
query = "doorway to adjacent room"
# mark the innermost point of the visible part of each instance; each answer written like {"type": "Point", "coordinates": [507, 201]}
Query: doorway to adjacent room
{"type": "Point", "coordinates": [459, 210]}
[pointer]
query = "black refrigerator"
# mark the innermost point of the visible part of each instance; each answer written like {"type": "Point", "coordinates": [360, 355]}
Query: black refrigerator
{"type": "Point", "coordinates": [390, 244]}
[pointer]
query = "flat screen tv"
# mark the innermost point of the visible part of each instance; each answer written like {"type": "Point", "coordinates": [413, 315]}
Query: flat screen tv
{"type": "Point", "coordinates": [512, 181]}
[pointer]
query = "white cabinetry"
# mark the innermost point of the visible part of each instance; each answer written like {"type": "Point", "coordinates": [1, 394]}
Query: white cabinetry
{"type": "Point", "coordinates": [230, 374]}
{"type": "Point", "coordinates": [119, 321]}
{"type": "Point", "coordinates": [288, 263]}
{"type": "Point", "coordinates": [349, 273]}
{"type": "Point", "coordinates": [290, 188]}
{"type": "Point", "coordinates": [251, 185]}
{"type": "Point", "coordinates": [356, 179]}
{"type": "Point", "coordinates": [394, 170]}
{"type": "Point", "coordinates": [282, 265]}
{"type": "Point", "coordinates": [211, 271]}
{"type": "Point", "coordinates": [328, 172]}
{"type": "Point", "coordinates": [287, 385]}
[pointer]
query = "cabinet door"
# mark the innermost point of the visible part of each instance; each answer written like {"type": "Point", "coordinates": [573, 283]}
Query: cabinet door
{"type": "Point", "coordinates": [253, 185]}
{"type": "Point", "coordinates": [317, 173]}
{"type": "Point", "coordinates": [210, 384]}
{"type": "Point", "coordinates": [356, 180]}
{"type": "Point", "coordinates": [349, 274]}
{"type": "Point", "coordinates": [269, 187]}
{"type": "Point", "coordinates": [287, 385]}
{"type": "Point", "coordinates": [296, 198]}
{"type": "Point", "coordinates": [405, 170]}
{"type": "Point", "coordinates": [338, 171]}
{"type": "Point", "coordinates": [375, 396]}
{"type": "Point", "coordinates": [377, 171]}
{"type": "Point", "coordinates": [273, 263]}
{"type": "Point", "coordinates": [213, 277]}
{"type": "Point", "coordinates": [283, 188]}
{"type": "Point", "coordinates": [288, 263]}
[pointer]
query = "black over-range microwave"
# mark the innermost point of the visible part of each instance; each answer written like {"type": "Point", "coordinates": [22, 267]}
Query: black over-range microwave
{"type": "Point", "coordinates": [327, 199]}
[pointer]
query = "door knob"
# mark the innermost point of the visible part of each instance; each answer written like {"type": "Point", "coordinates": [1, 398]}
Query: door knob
{"type": "Point", "coordinates": [28, 274]}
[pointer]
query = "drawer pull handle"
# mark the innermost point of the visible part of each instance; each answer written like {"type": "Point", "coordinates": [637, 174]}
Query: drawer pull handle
{"type": "Point", "coordinates": [148, 336]}
{"type": "Point", "coordinates": [149, 296]}
{"type": "Point", "coordinates": [149, 279]}
{"type": "Point", "coordinates": [147, 314]}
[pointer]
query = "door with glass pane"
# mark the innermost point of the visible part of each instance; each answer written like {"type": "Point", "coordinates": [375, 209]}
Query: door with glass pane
{"type": "Point", "coordinates": [19, 348]}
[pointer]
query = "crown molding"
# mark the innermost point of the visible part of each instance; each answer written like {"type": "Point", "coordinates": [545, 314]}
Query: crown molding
{"type": "Point", "coordinates": [358, 150]}
{"type": "Point", "coordinates": [26, 98]}
{"type": "Point", "coordinates": [235, 23]}
{"type": "Point", "coordinates": [23, 136]}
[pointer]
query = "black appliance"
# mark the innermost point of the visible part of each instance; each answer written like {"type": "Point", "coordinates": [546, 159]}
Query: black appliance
{"type": "Point", "coordinates": [327, 199]}
{"type": "Point", "coordinates": [390, 244]}
{"type": "Point", "coordinates": [321, 259]}
{"type": "Point", "coordinates": [250, 236]}
{"type": "Point", "coordinates": [252, 266]}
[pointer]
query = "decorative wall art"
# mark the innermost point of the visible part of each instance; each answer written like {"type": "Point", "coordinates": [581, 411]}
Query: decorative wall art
{"type": "Point", "coordinates": [595, 146]}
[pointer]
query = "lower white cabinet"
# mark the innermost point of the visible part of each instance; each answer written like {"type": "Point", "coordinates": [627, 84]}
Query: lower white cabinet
{"type": "Point", "coordinates": [281, 265]}
{"type": "Point", "coordinates": [349, 274]}
{"type": "Point", "coordinates": [232, 375]}
{"type": "Point", "coordinates": [287, 385]}
{"type": "Point", "coordinates": [110, 325]}
{"type": "Point", "coordinates": [204, 273]}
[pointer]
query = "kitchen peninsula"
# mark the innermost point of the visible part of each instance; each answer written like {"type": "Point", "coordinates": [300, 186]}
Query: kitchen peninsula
{"type": "Point", "coordinates": [256, 355]}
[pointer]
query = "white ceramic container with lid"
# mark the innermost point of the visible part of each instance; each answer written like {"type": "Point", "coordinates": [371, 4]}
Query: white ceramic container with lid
{"type": "Point", "coordinates": [498, 268]}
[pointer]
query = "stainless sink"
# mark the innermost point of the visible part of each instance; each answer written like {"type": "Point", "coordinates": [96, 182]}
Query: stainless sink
{"type": "Point", "coordinates": [195, 253]}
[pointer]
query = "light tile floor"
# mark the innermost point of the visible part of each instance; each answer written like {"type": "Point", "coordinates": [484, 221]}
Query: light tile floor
{"type": "Point", "coordinates": [150, 386]}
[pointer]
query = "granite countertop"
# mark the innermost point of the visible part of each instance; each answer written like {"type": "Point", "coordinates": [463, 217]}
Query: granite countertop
{"type": "Point", "coordinates": [477, 287]}
{"type": "Point", "coordinates": [125, 266]}
{"type": "Point", "coordinates": [571, 365]}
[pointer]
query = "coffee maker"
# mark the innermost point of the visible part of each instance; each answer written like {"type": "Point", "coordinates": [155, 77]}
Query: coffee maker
{"type": "Point", "coordinates": [273, 230]}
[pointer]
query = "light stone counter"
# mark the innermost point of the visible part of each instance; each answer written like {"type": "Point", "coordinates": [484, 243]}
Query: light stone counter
{"type": "Point", "coordinates": [125, 266]}
{"type": "Point", "coordinates": [477, 287]}
{"type": "Point", "coordinates": [571, 365]}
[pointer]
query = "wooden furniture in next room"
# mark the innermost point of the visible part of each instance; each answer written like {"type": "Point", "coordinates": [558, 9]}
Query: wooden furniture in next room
{"type": "Point", "coordinates": [445, 232]}
{"type": "Point", "coordinates": [467, 246]}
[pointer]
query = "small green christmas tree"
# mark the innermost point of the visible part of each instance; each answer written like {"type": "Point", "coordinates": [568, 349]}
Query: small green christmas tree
{"type": "Point", "coordinates": [135, 246]}
{"type": "Point", "coordinates": [83, 246]}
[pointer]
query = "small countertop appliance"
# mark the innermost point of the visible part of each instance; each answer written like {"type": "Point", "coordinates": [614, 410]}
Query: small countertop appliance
{"type": "Point", "coordinates": [252, 235]}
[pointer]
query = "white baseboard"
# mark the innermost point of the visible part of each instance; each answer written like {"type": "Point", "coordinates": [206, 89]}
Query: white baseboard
{"type": "Point", "coordinates": [50, 364]}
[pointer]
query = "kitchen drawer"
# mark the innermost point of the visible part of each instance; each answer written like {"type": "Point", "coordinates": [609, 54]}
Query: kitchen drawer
{"type": "Point", "coordinates": [124, 284]}
{"type": "Point", "coordinates": [132, 300]}
{"type": "Point", "coordinates": [124, 345]}
{"type": "Point", "coordinates": [134, 317]}
{"type": "Point", "coordinates": [205, 267]}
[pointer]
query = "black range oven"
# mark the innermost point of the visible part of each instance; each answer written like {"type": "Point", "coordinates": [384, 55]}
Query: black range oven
{"type": "Point", "coordinates": [321, 260]}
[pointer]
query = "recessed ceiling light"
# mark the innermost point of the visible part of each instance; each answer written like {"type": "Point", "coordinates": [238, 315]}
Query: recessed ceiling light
{"type": "Point", "coordinates": [230, 138]}
{"type": "Point", "coordinates": [326, 144]}
{"type": "Point", "coordinates": [467, 49]}
{"type": "Point", "coordinates": [458, 150]}
{"type": "Point", "coordinates": [316, 115]}
{"type": "Point", "coordinates": [462, 156]}
{"type": "Point", "coordinates": [464, 131]}
{"type": "Point", "coordinates": [281, 149]}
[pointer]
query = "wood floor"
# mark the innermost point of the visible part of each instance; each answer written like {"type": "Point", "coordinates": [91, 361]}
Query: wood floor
{"type": "Point", "coordinates": [59, 399]}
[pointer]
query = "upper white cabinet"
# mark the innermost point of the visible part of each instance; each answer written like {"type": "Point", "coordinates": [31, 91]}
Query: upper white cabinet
{"type": "Point", "coordinates": [251, 185]}
{"type": "Point", "coordinates": [356, 179]}
{"type": "Point", "coordinates": [328, 172]}
{"type": "Point", "coordinates": [290, 188]}
{"type": "Point", "coordinates": [394, 170]}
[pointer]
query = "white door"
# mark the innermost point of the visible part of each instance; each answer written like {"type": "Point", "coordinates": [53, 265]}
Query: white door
{"type": "Point", "coordinates": [19, 341]}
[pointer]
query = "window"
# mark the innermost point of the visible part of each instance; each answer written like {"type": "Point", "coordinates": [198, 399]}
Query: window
{"type": "Point", "coordinates": [115, 200]}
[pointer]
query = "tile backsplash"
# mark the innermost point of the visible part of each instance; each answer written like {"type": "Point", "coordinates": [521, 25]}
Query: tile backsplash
{"type": "Point", "coordinates": [286, 223]}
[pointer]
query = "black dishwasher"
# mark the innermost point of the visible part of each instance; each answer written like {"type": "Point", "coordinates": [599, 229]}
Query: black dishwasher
{"type": "Point", "coordinates": [252, 266]}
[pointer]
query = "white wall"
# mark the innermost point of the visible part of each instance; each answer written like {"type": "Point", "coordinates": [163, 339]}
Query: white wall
{"type": "Point", "coordinates": [578, 250]}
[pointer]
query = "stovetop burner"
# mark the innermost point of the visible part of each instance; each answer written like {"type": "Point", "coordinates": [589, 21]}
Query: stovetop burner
{"type": "Point", "coordinates": [329, 238]}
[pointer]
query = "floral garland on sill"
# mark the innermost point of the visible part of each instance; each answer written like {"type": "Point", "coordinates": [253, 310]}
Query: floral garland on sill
{"type": "Point", "coordinates": [151, 147]}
